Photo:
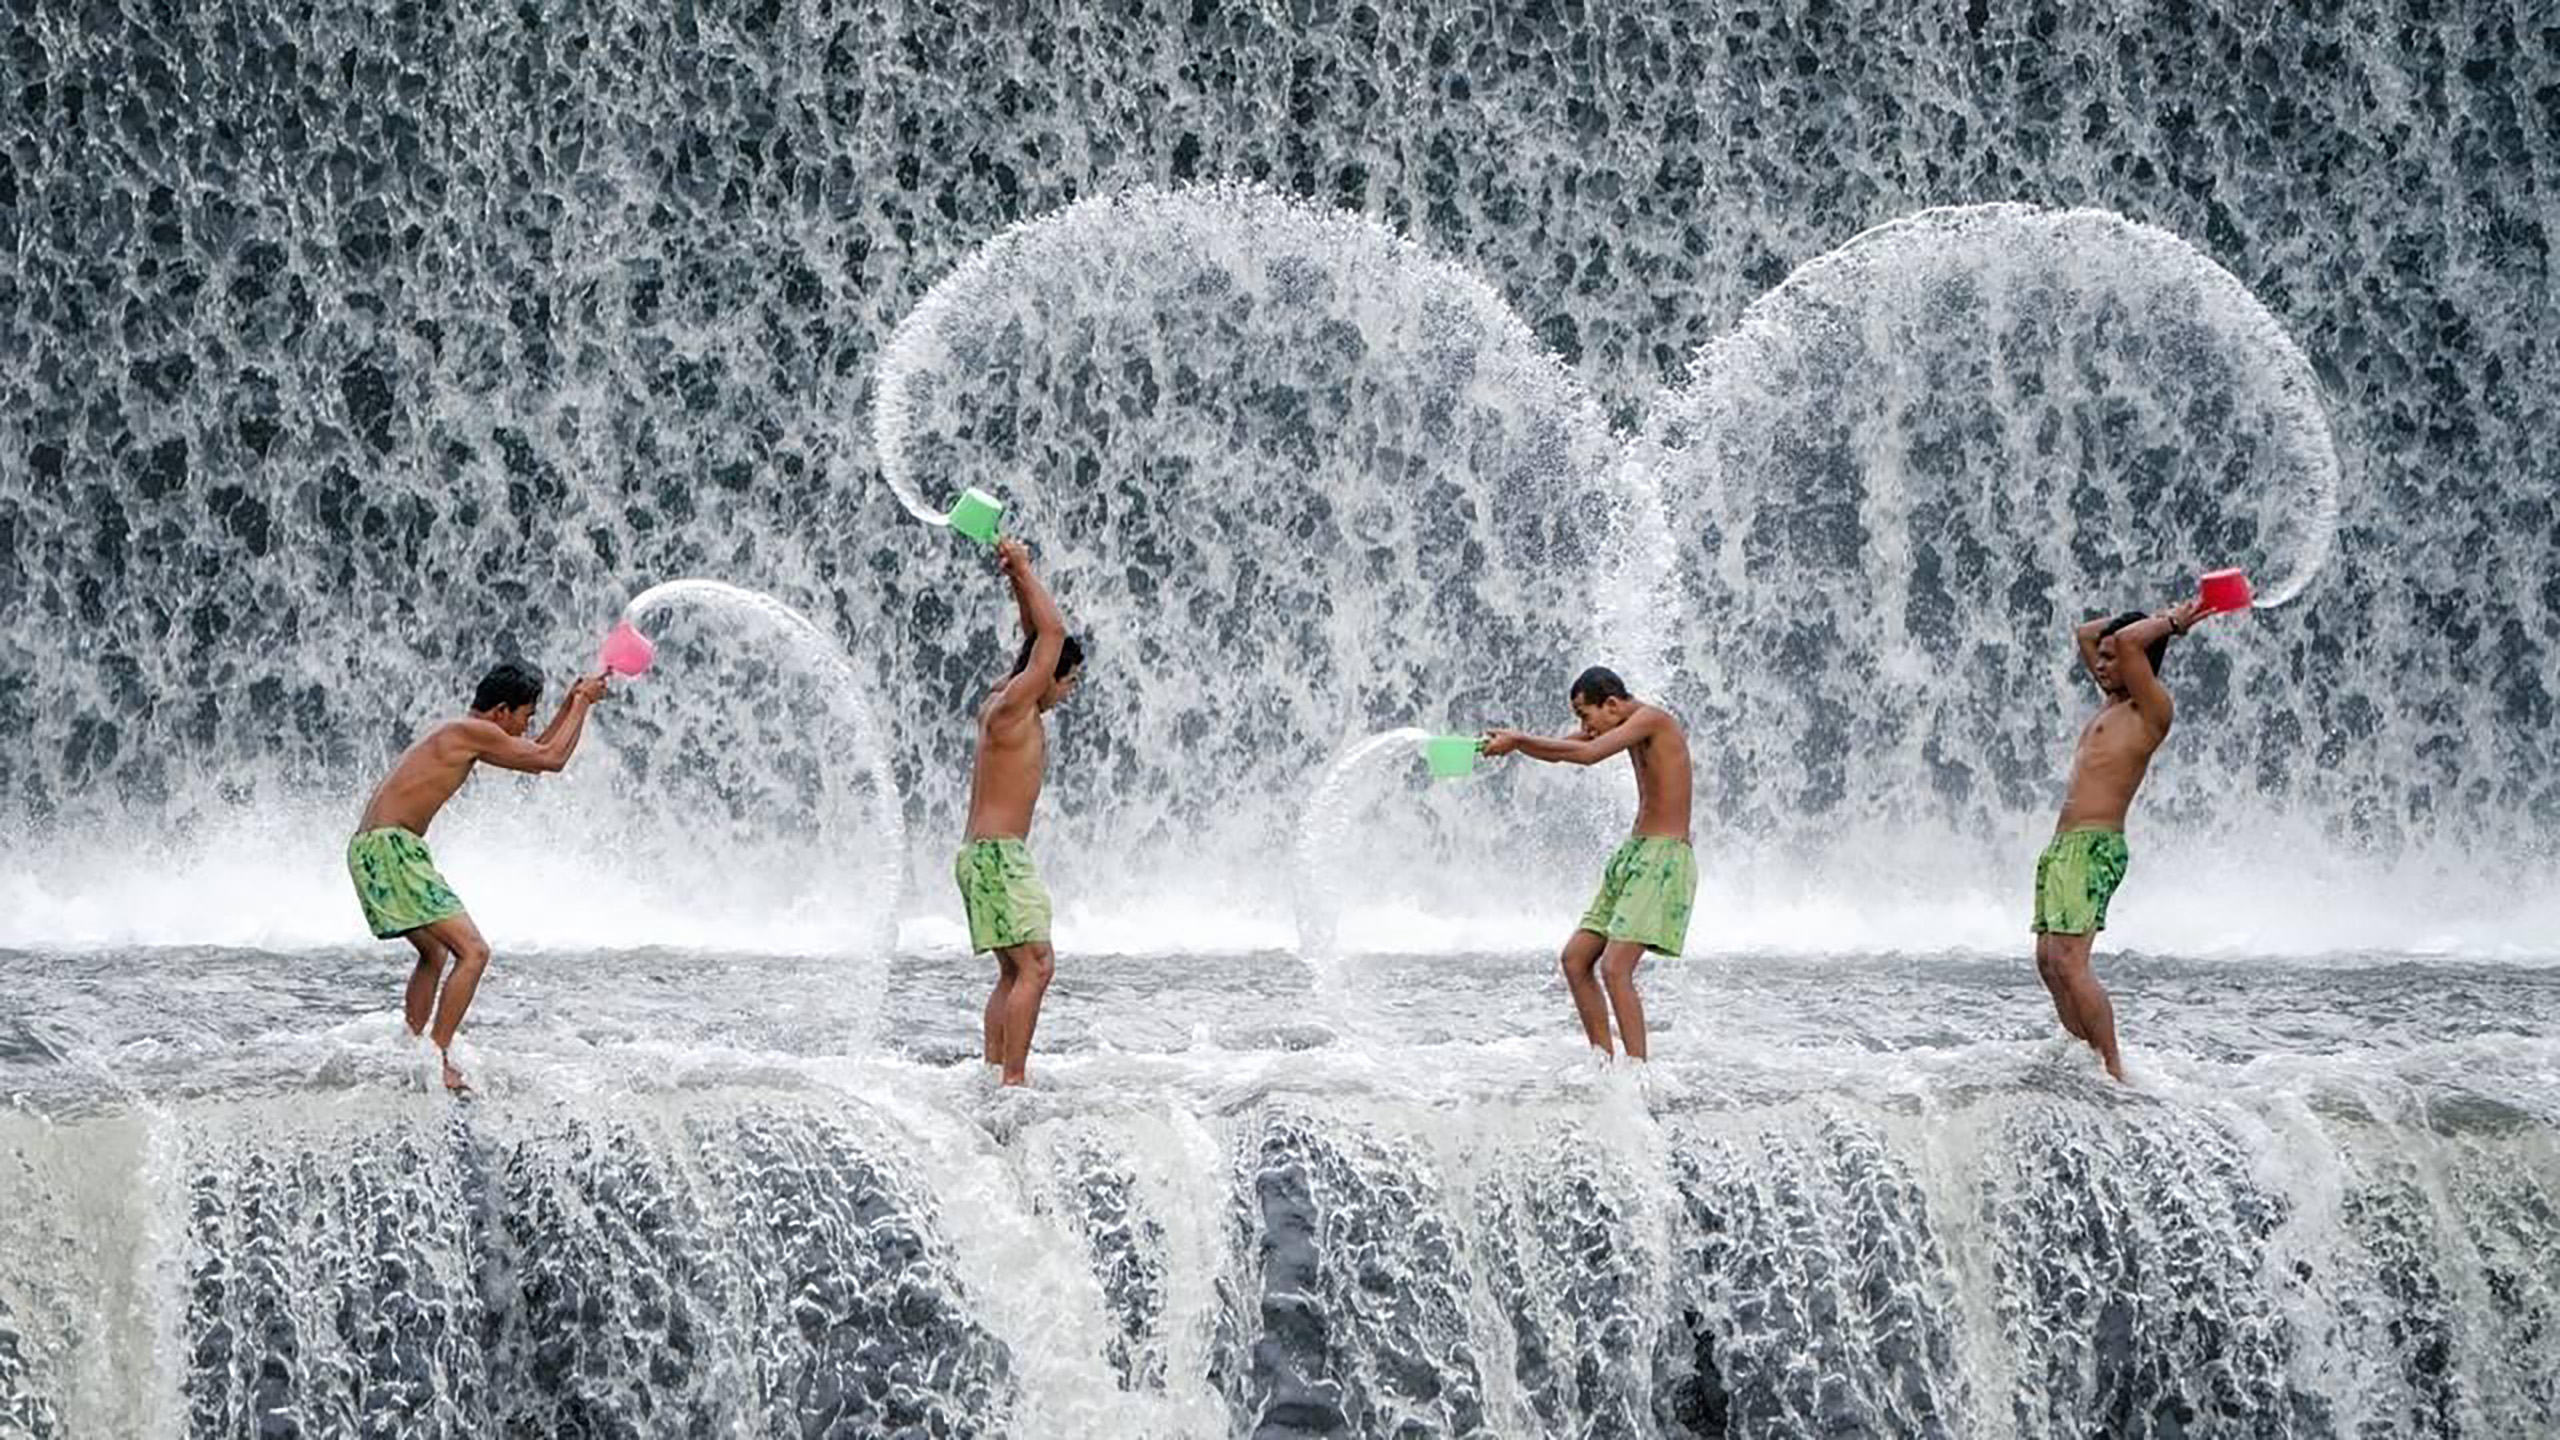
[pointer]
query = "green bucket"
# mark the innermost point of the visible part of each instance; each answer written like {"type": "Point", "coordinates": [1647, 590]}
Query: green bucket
{"type": "Point", "coordinates": [975, 515]}
{"type": "Point", "coordinates": [1451, 756]}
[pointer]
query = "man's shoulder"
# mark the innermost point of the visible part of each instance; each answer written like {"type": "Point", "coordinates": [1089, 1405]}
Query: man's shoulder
{"type": "Point", "coordinates": [1663, 720]}
{"type": "Point", "coordinates": [997, 720]}
{"type": "Point", "coordinates": [463, 732]}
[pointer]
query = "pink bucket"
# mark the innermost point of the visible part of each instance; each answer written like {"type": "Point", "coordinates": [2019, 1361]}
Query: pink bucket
{"type": "Point", "coordinates": [627, 651]}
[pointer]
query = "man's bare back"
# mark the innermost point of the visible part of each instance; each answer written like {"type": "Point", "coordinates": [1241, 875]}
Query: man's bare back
{"type": "Point", "coordinates": [429, 772]}
{"type": "Point", "coordinates": [1661, 761]}
{"type": "Point", "coordinates": [1653, 742]}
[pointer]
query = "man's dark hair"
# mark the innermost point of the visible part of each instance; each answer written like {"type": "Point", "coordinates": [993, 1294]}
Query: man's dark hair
{"type": "Point", "coordinates": [511, 683]}
{"type": "Point", "coordinates": [1598, 686]}
{"type": "Point", "coordinates": [1070, 655]}
{"type": "Point", "coordinates": [2158, 649]}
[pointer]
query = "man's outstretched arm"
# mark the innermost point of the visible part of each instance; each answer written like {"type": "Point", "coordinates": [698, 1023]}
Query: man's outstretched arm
{"type": "Point", "coordinates": [559, 738]}
{"type": "Point", "coordinates": [1574, 751]}
{"type": "Point", "coordinates": [560, 717]}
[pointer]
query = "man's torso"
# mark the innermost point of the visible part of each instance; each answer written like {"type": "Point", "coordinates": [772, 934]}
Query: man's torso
{"type": "Point", "coordinates": [2114, 754]}
{"type": "Point", "coordinates": [424, 777]}
{"type": "Point", "coordinates": [1005, 786]}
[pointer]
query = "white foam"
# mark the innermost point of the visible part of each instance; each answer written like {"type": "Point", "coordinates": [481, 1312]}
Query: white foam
{"type": "Point", "coordinates": [263, 886]}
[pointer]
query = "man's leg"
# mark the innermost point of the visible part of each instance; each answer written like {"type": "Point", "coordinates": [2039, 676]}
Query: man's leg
{"type": "Point", "coordinates": [1581, 956]}
{"type": "Point", "coordinates": [1618, 970]}
{"type": "Point", "coordinates": [1033, 966]}
{"type": "Point", "coordinates": [419, 1005]}
{"type": "Point", "coordinates": [2051, 973]}
{"type": "Point", "coordinates": [458, 935]}
{"type": "Point", "coordinates": [2076, 986]}
{"type": "Point", "coordinates": [997, 999]}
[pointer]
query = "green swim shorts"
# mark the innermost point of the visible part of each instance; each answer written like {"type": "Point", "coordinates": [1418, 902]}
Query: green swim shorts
{"type": "Point", "coordinates": [1645, 893]}
{"type": "Point", "coordinates": [397, 883]}
{"type": "Point", "coordinates": [1006, 902]}
{"type": "Point", "coordinates": [2076, 876]}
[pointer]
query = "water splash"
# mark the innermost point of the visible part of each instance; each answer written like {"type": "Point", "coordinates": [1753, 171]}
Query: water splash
{"type": "Point", "coordinates": [298, 447]}
{"type": "Point", "coordinates": [750, 752]}
{"type": "Point", "coordinates": [2077, 322]}
{"type": "Point", "coordinates": [1920, 460]}
{"type": "Point", "coordinates": [1388, 861]}
{"type": "Point", "coordinates": [1324, 830]}
{"type": "Point", "coordinates": [1296, 477]}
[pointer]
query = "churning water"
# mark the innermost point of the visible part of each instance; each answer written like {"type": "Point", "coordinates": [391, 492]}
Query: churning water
{"type": "Point", "coordinates": [1359, 373]}
{"type": "Point", "coordinates": [724, 1194]}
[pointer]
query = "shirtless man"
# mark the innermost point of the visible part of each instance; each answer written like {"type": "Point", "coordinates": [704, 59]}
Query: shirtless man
{"type": "Point", "coordinates": [1008, 908]}
{"type": "Point", "coordinates": [396, 879]}
{"type": "Point", "coordinates": [2079, 872]}
{"type": "Point", "coordinates": [1647, 887]}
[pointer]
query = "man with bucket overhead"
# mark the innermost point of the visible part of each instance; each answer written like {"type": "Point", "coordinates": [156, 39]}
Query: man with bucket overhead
{"type": "Point", "coordinates": [2079, 871]}
{"type": "Point", "coordinates": [1007, 906]}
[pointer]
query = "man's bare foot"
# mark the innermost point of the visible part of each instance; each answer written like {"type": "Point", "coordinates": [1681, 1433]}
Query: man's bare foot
{"type": "Point", "coordinates": [453, 1080]}
{"type": "Point", "coordinates": [1016, 1081]}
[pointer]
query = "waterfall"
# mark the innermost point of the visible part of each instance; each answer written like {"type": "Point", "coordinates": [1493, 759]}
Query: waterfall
{"type": "Point", "coordinates": [1434, 1258]}
{"type": "Point", "coordinates": [1355, 373]}
{"type": "Point", "coordinates": [328, 403]}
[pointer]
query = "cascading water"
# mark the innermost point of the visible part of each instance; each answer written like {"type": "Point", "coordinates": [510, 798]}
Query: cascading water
{"type": "Point", "coordinates": [1810, 1241]}
{"type": "Point", "coordinates": [1354, 373]}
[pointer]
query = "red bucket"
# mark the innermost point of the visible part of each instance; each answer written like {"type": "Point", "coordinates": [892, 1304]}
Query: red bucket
{"type": "Point", "coordinates": [2223, 590]}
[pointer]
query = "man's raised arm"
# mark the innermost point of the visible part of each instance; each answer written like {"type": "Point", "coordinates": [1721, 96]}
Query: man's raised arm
{"type": "Point", "coordinates": [2087, 637]}
{"type": "Point", "coordinates": [2133, 662]}
{"type": "Point", "coordinates": [559, 738]}
{"type": "Point", "coordinates": [1041, 621]}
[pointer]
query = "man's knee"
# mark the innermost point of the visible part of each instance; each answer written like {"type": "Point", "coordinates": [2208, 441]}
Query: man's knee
{"type": "Point", "coordinates": [2060, 957]}
{"type": "Point", "coordinates": [1619, 966]}
{"type": "Point", "coordinates": [1036, 965]}
{"type": "Point", "coordinates": [1581, 953]}
{"type": "Point", "coordinates": [470, 957]}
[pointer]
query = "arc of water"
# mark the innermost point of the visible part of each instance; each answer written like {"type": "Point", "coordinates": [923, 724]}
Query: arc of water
{"type": "Point", "coordinates": [2228, 302]}
{"type": "Point", "coordinates": [888, 815]}
{"type": "Point", "coordinates": [1349, 237]}
{"type": "Point", "coordinates": [1324, 825]}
